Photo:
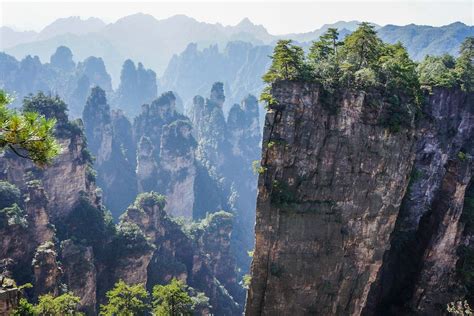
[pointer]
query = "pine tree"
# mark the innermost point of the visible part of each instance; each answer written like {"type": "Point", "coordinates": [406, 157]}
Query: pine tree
{"type": "Point", "coordinates": [363, 47]}
{"type": "Point", "coordinates": [27, 134]}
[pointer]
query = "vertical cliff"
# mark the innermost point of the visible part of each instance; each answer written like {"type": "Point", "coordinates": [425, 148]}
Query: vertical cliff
{"type": "Point", "coordinates": [328, 198]}
{"type": "Point", "coordinates": [426, 266]}
{"type": "Point", "coordinates": [165, 154]}
{"type": "Point", "coordinates": [105, 133]}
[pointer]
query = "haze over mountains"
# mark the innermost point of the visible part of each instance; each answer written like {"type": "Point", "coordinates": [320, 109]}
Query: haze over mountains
{"type": "Point", "coordinates": [143, 38]}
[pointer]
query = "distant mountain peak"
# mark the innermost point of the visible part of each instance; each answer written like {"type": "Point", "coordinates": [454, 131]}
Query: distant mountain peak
{"type": "Point", "coordinates": [73, 25]}
{"type": "Point", "coordinates": [245, 22]}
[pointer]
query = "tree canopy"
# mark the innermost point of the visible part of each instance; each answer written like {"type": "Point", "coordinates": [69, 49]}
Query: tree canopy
{"type": "Point", "coordinates": [126, 300]}
{"type": "Point", "coordinates": [362, 62]}
{"type": "Point", "coordinates": [48, 305]}
{"type": "Point", "coordinates": [172, 299]}
{"type": "Point", "coordinates": [27, 133]}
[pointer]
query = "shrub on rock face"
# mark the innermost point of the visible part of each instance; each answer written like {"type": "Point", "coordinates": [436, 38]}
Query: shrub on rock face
{"type": "Point", "coordinates": [9, 194]}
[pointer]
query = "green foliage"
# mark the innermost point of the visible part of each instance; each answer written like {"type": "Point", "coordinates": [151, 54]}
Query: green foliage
{"type": "Point", "coordinates": [462, 156]}
{"type": "Point", "coordinates": [91, 174]}
{"type": "Point", "coordinates": [199, 299]}
{"type": "Point", "coordinates": [86, 223]}
{"type": "Point", "coordinates": [362, 62]}
{"type": "Point", "coordinates": [326, 47]}
{"type": "Point", "coordinates": [130, 239]}
{"type": "Point", "coordinates": [27, 134]}
{"type": "Point", "coordinates": [12, 215]}
{"type": "Point", "coordinates": [445, 71]}
{"type": "Point", "coordinates": [362, 48]}
{"type": "Point", "coordinates": [48, 305]}
{"type": "Point", "coordinates": [65, 304]}
{"type": "Point", "coordinates": [212, 221]}
{"type": "Point", "coordinates": [48, 106]}
{"type": "Point", "coordinates": [126, 300]}
{"type": "Point", "coordinates": [257, 168]}
{"type": "Point", "coordinates": [9, 194]}
{"type": "Point", "coordinates": [288, 63]}
{"type": "Point", "coordinates": [24, 308]}
{"type": "Point", "coordinates": [246, 280]}
{"type": "Point", "coordinates": [437, 71]}
{"type": "Point", "coordinates": [465, 65]}
{"type": "Point", "coordinates": [172, 299]}
{"type": "Point", "coordinates": [150, 199]}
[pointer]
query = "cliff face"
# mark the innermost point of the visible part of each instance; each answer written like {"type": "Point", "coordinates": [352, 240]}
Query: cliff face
{"type": "Point", "coordinates": [104, 132]}
{"type": "Point", "coordinates": [327, 202]}
{"type": "Point", "coordinates": [354, 219]}
{"type": "Point", "coordinates": [421, 272]}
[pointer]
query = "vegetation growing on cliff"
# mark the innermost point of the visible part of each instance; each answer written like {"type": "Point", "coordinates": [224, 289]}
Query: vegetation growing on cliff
{"type": "Point", "coordinates": [446, 71]}
{"type": "Point", "coordinates": [26, 133]}
{"type": "Point", "coordinates": [362, 62]}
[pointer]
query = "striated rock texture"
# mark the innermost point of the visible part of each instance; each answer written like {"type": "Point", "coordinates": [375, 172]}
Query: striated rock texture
{"type": "Point", "coordinates": [328, 199]}
{"type": "Point", "coordinates": [22, 231]}
{"type": "Point", "coordinates": [426, 267]}
{"type": "Point", "coordinates": [80, 273]}
{"type": "Point", "coordinates": [225, 152]}
{"type": "Point", "coordinates": [47, 272]}
{"type": "Point", "coordinates": [165, 154]}
{"type": "Point", "coordinates": [104, 138]}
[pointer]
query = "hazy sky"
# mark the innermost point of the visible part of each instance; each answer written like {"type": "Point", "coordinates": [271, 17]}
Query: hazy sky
{"type": "Point", "coordinates": [277, 17]}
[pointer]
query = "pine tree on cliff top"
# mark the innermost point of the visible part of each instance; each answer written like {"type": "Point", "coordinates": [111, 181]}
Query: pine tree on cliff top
{"type": "Point", "coordinates": [27, 134]}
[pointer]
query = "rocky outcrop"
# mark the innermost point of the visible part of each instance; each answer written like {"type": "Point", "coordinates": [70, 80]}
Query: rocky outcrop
{"type": "Point", "coordinates": [62, 59]}
{"type": "Point", "coordinates": [210, 130]}
{"type": "Point", "coordinates": [22, 231]}
{"type": "Point", "coordinates": [47, 272]}
{"type": "Point", "coordinates": [165, 155]}
{"type": "Point", "coordinates": [200, 257]}
{"type": "Point", "coordinates": [137, 87]}
{"type": "Point", "coordinates": [422, 272]}
{"type": "Point", "coordinates": [69, 242]}
{"type": "Point", "coordinates": [240, 65]}
{"type": "Point", "coordinates": [104, 137]}
{"type": "Point", "coordinates": [328, 198]}
{"type": "Point", "coordinates": [80, 273]}
{"type": "Point", "coordinates": [177, 168]}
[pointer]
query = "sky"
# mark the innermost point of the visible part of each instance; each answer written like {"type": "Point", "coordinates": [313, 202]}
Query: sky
{"type": "Point", "coordinates": [277, 17]}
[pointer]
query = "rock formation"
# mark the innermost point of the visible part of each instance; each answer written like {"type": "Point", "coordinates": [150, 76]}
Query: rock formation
{"type": "Point", "coordinates": [137, 87]}
{"type": "Point", "coordinates": [353, 218]}
{"type": "Point", "coordinates": [104, 133]}
{"type": "Point", "coordinates": [421, 271]}
{"type": "Point", "coordinates": [60, 241]}
{"type": "Point", "coordinates": [165, 154]}
{"type": "Point", "coordinates": [319, 242]}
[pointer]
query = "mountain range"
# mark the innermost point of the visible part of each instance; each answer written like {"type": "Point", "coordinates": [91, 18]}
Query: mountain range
{"type": "Point", "coordinates": [142, 37]}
